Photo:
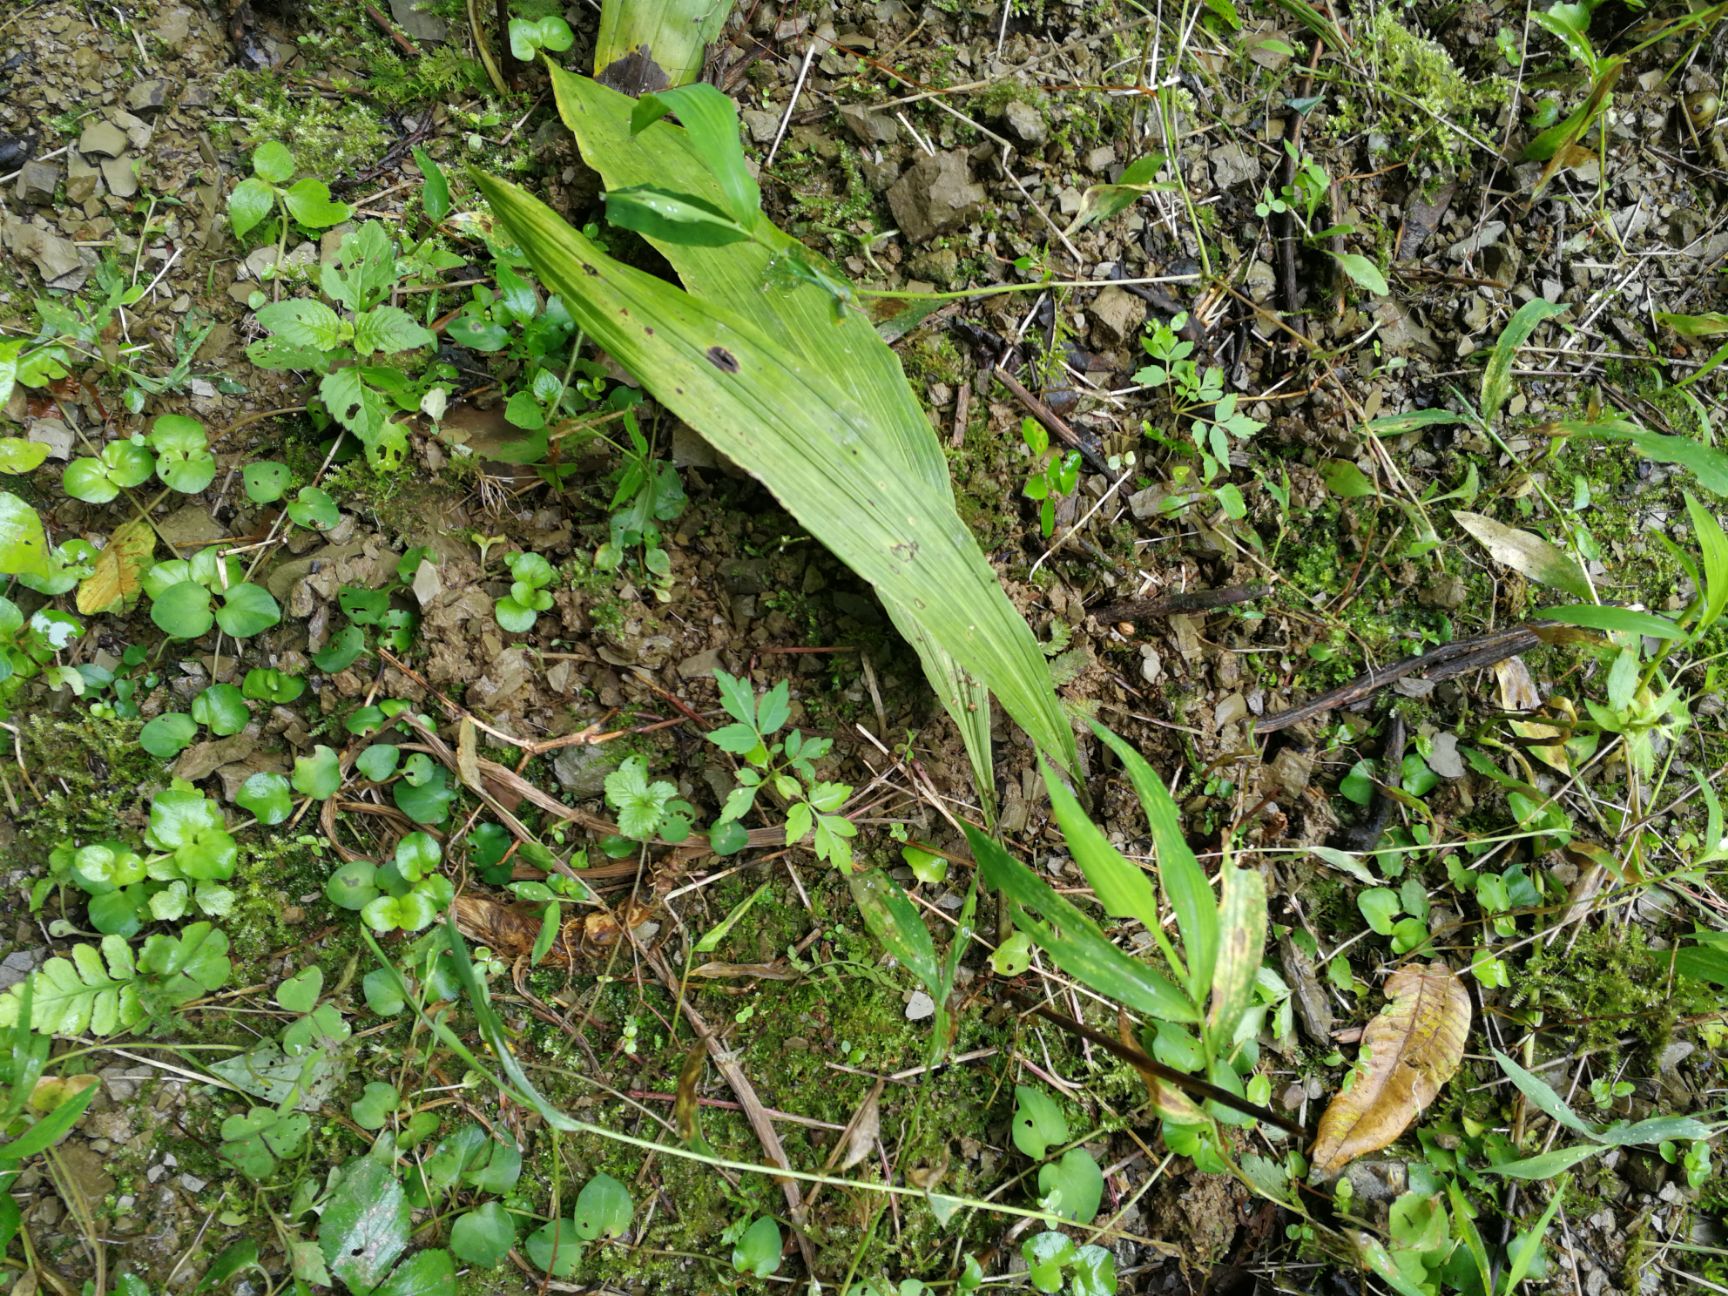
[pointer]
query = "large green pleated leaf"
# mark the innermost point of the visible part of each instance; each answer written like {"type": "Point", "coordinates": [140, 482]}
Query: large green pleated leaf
{"type": "Point", "coordinates": [793, 426]}
{"type": "Point", "coordinates": [674, 33]}
{"type": "Point", "coordinates": [742, 276]}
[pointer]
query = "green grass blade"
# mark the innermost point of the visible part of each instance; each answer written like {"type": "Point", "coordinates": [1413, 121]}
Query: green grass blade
{"type": "Point", "coordinates": [1705, 462]}
{"type": "Point", "coordinates": [1184, 881]}
{"type": "Point", "coordinates": [1073, 941]}
{"type": "Point", "coordinates": [1497, 376]}
{"type": "Point", "coordinates": [1120, 886]}
{"type": "Point", "coordinates": [791, 426]}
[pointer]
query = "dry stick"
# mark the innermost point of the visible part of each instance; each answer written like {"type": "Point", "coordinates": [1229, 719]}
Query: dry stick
{"type": "Point", "coordinates": [754, 1112]}
{"type": "Point", "coordinates": [1051, 420]}
{"type": "Point", "coordinates": [1158, 1071]}
{"type": "Point", "coordinates": [1187, 601]}
{"type": "Point", "coordinates": [407, 46]}
{"type": "Point", "coordinates": [1437, 664]}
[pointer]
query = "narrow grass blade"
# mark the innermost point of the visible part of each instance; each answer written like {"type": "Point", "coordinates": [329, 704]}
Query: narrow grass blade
{"type": "Point", "coordinates": [1705, 462]}
{"type": "Point", "coordinates": [1542, 1094]}
{"type": "Point", "coordinates": [1071, 939]}
{"type": "Point", "coordinates": [1497, 377]}
{"type": "Point", "coordinates": [1184, 881]}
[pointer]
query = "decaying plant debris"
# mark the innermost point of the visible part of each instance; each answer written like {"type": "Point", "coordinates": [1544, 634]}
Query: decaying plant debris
{"type": "Point", "coordinates": [877, 648]}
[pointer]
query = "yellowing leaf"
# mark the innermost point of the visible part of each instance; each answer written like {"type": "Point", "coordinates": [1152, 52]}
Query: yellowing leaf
{"type": "Point", "coordinates": [1409, 1052]}
{"type": "Point", "coordinates": [120, 568]}
{"type": "Point", "coordinates": [1526, 552]}
{"type": "Point", "coordinates": [1518, 692]}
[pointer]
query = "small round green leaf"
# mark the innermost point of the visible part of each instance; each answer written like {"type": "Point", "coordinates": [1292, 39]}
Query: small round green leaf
{"type": "Point", "coordinates": [483, 1236]}
{"type": "Point", "coordinates": [266, 480]}
{"type": "Point", "coordinates": [182, 611]}
{"type": "Point", "coordinates": [247, 609]}
{"type": "Point", "coordinates": [318, 775]}
{"type": "Point", "coordinates": [221, 709]}
{"type": "Point", "coordinates": [758, 1250]}
{"type": "Point", "coordinates": [168, 735]}
{"type": "Point", "coordinates": [603, 1209]}
{"type": "Point", "coordinates": [314, 509]}
{"type": "Point", "coordinates": [353, 886]}
{"type": "Point", "coordinates": [266, 797]}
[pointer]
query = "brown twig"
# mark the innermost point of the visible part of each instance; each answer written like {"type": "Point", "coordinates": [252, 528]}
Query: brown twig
{"type": "Point", "coordinates": [1051, 420]}
{"type": "Point", "coordinates": [1436, 664]}
{"type": "Point", "coordinates": [1186, 601]}
{"type": "Point", "coordinates": [1191, 1085]}
{"type": "Point", "coordinates": [407, 46]}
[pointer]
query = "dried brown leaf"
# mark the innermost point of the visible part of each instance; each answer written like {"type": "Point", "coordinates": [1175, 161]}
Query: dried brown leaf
{"type": "Point", "coordinates": [1408, 1054]}
{"type": "Point", "coordinates": [119, 573]}
{"type": "Point", "coordinates": [686, 1106]}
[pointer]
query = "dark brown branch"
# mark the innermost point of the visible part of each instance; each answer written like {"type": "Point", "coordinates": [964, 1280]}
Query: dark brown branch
{"type": "Point", "coordinates": [1191, 1085]}
{"type": "Point", "coordinates": [1051, 420]}
{"type": "Point", "coordinates": [1165, 605]}
{"type": "Point", "coordinates": [1436, 664]}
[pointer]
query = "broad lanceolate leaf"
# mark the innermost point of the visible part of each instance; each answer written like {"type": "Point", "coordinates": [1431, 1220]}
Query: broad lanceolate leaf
{"type": "Point", "coordinates": [1184, 881]}
{"type": "Point", "coordinates": [1595, 616]}
{"type": "Point", "coordinates": [1527, 553]}
{"type": "Point", "coordinates": [894, 921]}
{"type": "Point", "coordinates": [789, 422]}
{"type": "Point", "coordinates": [1123, 890]}
{"type": "Point", "coordinates": [1409, 1052]}
{"type": "Point", "coordinates": [1074, 942]}
{"type": "Point", "coordinates": [847, 349]}
{"type": "Point", "coordinates": [1497, 376]}
{"type": "Point", "coordinates": [1242, 942]}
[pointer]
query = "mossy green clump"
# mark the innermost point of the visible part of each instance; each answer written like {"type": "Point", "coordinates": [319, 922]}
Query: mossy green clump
{"type": "Point", "coordinates": [330, 138]}
{"type": "Point", "coordinates": [101, 783]}
{"type": "Point", "coordinates": [1421, 104]}
{"type": "Point", "coordinates": [1606, 985]}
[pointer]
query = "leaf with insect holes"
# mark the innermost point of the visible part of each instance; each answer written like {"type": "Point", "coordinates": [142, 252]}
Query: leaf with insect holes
{"type": "Point", "coordinates": [1038, 1122]}
{"type": "Point", "coordinates": [1526, 553]}
{"type": "Point", "coordinates": [1409, 1052]}
{"type": "Point", "coordinates": [1497, 374]}
{"type": "Point", "coordinates": [389, 329]}
{"type": "Point", "coordinates": [303, 322]}
{"type": "Point", "coordinates": [365, 1223]}
{"type": "Point", "coordinates": [23, 543]}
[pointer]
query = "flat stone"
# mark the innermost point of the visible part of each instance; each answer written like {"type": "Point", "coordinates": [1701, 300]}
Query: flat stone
{"type": "Point", "coordinates": [427, 585]}
{"type": "Point", "coordinates": [936, 194]}
{"type": "Point", "coordinates": [1232, 166]}
{"type": "Point", "coordinates": [416, 23]}
{"type": "Point", "coordinates": [920, 1006]}
{"type": "Point", "coordinates": [81, 178]}
{"type": "Point", "coordinates": [762, 123]}
{"type": "Point", "coordinates": [15, 967]}
{"type": "Point", "coordinates": [581, 770]}
{"type": "Point", "coordinates": [147, 96]}
{"type": "Point", "coordinates": [870, 125]}
{"type": "Point", "coordinates": [102, 139]}
{"type": "Point", "coordinates": [37, 183]}
{"type": "Point", "coordinates": [56, 259]}
{"type": "Point", "coordinates": [1025, 123]}
{"type": "Point", "coordinates": [121, 176]}
{"type": "Point", "coordinates": [172, 26]}
{"type": "Point", "coordinates": [136, 128]}
{"type": "Point", "coordinates": [1116, 316]}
